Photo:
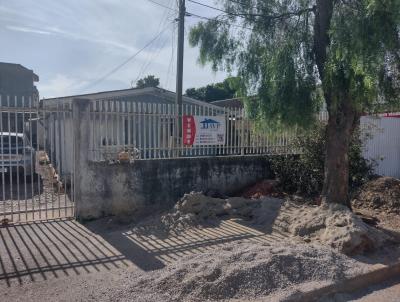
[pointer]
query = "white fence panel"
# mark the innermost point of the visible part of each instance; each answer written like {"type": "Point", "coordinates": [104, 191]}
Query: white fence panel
{"type": "Point", "coordinates": [384, 144]}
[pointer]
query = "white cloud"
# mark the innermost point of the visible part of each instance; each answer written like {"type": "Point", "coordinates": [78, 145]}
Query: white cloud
{"type": "Point", "coordinates": [61, 85]}
{"type": "Point", "coordinates": [77, 42]}
{"type": "Point", "coordinates": [28, 30]}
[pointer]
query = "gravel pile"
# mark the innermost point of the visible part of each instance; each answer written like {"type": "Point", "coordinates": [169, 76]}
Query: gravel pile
{"type": "Point", "coordinates": [381, 194]}
{"type": "Point", "coordinates": [239, 271]}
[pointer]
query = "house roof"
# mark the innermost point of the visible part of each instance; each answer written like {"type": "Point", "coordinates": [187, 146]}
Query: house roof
{"type": "Point", "coordinates": [13, 67]}
{"type": "Point", "coordinates": [231, 103]}
{"type": "Point", "coordinates": [154, 91]}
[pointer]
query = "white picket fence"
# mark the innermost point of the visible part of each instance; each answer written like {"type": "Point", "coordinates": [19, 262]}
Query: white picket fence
{"type": "Point", "coordinates": [149, 131]}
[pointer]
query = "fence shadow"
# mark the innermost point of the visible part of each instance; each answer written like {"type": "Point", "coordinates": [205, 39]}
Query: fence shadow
{"type": "Point", "coordinates": [46, 250]}
{"type": "Point", "coordinates": [151, 248]}
{"type": "Point", "coordinates": [51, 249]}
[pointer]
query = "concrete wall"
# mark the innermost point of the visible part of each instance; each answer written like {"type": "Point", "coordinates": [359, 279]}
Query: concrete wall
{"type": "Point", "coordinates": [140, 188]}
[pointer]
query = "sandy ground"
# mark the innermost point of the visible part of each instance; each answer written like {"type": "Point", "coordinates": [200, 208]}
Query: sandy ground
{"type": "Point", "coordinates": [206, 249]}
{"type": "Point", "coordinates": [102, 261]}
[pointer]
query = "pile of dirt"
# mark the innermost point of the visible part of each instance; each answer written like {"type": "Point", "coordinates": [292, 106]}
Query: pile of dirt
{"type": "Point", "coordinates": [266, 187]}
{"type": "Point", "coordinates": [334, 226]}
{"type": "Point", "coordinates": [381, 194]}
{"type": "Point", "coordinates": [241, 271]}
{"type": "Point", "coordinates": [196, 209]}
{"type": "Point", "coordinates": [331, 225]}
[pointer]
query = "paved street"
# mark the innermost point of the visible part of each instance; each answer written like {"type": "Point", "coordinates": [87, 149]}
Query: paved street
{"type": "Point", "coordinates": [385, 292]}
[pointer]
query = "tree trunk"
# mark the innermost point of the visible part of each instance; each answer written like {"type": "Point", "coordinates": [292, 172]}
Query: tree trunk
{"type": "Point", "coordinates": [341, 125]}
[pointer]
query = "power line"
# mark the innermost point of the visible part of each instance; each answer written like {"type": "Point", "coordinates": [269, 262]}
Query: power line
{"type": "Point", "coordinates": [126, 61]}
{"type": "Point", "coordinates": [152, 56]}
{"type": "Point", "coordinates": [171, 65]}
{"type": "Point", "coordinates": [190, 14]}
{"type": "Point", "coordinates": [163, 5]}
{"type": "Point", "coordinates": [218, 21]}
{"type": "Point", "coordinates": [245, 15]}
{"type": "Point", "coordinates": [212, 7]}
{"type": "Point", "coordinates": [239, 2]}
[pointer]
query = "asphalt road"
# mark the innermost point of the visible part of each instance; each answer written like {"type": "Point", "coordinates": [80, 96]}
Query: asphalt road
{"type": "Point", "coordinates": [385, 292]}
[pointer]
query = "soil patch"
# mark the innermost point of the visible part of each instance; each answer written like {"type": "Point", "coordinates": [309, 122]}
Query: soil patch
{"type": "Point", "coordinates": [381, 194]}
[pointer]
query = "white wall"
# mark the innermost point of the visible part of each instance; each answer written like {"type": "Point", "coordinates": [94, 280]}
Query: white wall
{"type": "Point", "coordinates": [384, 145]}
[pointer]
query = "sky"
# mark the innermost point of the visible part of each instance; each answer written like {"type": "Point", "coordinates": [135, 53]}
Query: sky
{"type": "Point", "coordinates": [72, 44]}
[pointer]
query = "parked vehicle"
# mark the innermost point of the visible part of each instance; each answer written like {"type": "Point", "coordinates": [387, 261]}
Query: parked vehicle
{"type": "Point", "coordinates": [16, 154]}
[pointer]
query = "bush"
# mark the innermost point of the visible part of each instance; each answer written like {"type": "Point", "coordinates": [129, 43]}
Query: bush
{"type": "Point", "coordinates": [304, 173]}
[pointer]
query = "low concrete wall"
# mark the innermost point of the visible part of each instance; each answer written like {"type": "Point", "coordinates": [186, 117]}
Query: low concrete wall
{"type": "Point", "coordinates": [140, 188]}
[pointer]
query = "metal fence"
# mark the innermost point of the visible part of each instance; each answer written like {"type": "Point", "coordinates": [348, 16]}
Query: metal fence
{"type": "Point", "coordinates": [31, 184]}
{"type": "Point", "coordinates": [150, 131]}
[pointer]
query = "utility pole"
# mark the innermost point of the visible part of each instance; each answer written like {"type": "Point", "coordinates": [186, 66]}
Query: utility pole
{"type": "Point", "coordinates": [179, 73]}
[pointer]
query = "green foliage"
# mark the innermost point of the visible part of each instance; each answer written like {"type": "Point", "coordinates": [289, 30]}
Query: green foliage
{"type": "Point", "coordinates": [272, 46]}
{"type": "Point", "coordinates": [149, 81]}
{"type": "Point", "coordinates": [365, 45]}
{"type": "Point", "coordinates": [304, 173]}
{"type": "Point", "coordinates": [227, 89]}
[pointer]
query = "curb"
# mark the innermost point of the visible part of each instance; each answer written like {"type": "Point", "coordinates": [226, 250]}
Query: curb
{"type": "Point", "coordinates": [349, 285]}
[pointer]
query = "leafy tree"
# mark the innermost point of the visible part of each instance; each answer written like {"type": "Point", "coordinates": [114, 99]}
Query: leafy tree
{"type": "Point", "coordinates": [149, 81]}
{"type": "Point", "coordinates": [227, 89]}
{"type": "Point", "coordinates": [285, 49]}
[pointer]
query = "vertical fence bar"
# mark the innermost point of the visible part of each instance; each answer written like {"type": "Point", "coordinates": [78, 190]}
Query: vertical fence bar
{"type": "Point", "coordinates": [17, 154]}
{"type": "Point", "coordinates": [135, 125]}
{"type": "Point", "coordinates": [33, 158]}
{"type": "Point", "coordinates": [24, 155]}
{"type": "Point", "coordinates": [9, 157]}
{"type": "Point", "coordinates": [159, 127]}
{"type": "Point", "coordinates": [2, 158]}
{"type": "Point", "coordinates": [46, 119]}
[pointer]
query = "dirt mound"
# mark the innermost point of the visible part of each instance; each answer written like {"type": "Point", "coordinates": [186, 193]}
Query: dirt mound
{"type": "Point", "coordinates": [241, 271]}
{"type": "Point", "coordinates": [381, 194]}
{"type": "Point", "coordinates": [331, 225]}
{"type": "Point", "coordinates": [264, 188]}
{"type": "Point", "coordinates": [196, 209]}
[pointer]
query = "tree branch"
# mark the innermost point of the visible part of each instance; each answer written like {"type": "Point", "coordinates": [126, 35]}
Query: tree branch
{"type": "Point", "coordinates": [275, 17]}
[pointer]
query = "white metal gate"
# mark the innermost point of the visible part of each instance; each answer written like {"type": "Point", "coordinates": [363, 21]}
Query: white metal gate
{"type": "Point", "coordinates": [32, 183]}
{"type": "Point", "coordinates": [383, 143]}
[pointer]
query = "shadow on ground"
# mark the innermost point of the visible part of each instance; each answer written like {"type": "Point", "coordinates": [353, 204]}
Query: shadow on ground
{"type": "Point", "coordinates": [43, 250]}
{"type": "Point", "coordinates": [38, 251]}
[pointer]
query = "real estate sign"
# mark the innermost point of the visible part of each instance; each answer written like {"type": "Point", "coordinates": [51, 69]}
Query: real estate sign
{"type": "Point", "coordinates": [203, 130]}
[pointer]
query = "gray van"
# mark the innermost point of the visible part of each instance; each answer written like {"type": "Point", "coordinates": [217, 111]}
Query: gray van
{"type": "Point", "coordinates": [16, 154]}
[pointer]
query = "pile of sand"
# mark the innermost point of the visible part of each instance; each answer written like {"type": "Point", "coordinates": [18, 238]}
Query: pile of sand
{"type": "Point", "coordinates": [240, 271]}
{"type": "Point", "coordinates": [331, 225]}
{"type": "Point", "coordinates": [381, 194]}
{"type": "Point", "coordinates": [196, 209]}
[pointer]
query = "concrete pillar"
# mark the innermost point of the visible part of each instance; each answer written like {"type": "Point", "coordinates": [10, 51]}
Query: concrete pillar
{"type": "Point", "coordinates": [81, 138]}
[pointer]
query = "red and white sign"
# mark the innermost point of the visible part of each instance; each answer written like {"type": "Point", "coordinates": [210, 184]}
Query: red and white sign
{"type": "Point", "coordinates": [203, 130]}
